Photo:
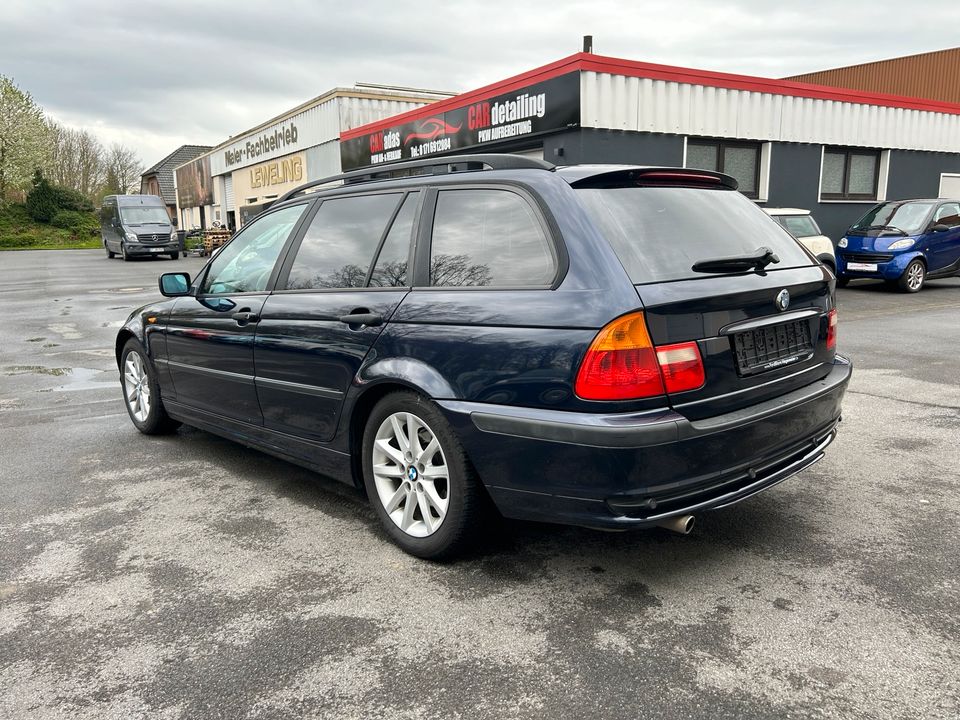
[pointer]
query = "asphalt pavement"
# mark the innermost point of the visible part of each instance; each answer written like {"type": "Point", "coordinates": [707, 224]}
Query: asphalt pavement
{"type": "Point", "coordinates": [189, 577]}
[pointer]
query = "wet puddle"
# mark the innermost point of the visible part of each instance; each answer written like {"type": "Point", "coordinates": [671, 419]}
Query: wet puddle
{"type": "Point", "coordinates": [74, 378]}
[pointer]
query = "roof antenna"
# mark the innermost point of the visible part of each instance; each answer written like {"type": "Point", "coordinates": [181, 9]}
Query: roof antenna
{"type": "Point", "coordinates": [588, 43]}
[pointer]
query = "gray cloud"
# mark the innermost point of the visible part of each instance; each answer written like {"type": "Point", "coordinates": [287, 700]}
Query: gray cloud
{"type": "Point", "coordinates": [160, 74]}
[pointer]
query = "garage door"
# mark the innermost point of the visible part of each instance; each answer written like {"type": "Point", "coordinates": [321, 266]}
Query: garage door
{"type": "Point", "coordinates": [950, 185]}
{"type": "Point", "coordinates": [228, 191]}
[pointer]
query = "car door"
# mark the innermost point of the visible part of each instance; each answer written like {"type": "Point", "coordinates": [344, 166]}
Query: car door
{"type": "Point", "coordinates": [337, 289]}
{"type": "Point", "coordinates": [210, 334]}
{"type": "Point", "coordinates": [946, 243]}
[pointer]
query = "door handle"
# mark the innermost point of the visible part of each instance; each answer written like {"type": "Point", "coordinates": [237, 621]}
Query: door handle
{"type": "Point", "coordinates": [362, 318]}
{"type": "Point", "coordinates": [245, 317]}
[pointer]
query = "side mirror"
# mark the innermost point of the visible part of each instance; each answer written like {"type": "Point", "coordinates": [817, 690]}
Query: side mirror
{"type": "Point", "coordinates": [175, 284]}
{"type": "Point", "coordinates": [939, 227]}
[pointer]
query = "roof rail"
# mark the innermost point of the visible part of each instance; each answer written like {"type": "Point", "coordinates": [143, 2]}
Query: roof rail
{"type": "Point", "coordinates": [426, 166]}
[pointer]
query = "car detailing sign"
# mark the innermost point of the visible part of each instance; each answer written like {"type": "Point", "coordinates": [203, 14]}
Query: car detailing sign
{"type": "Point", "coordinates": [527, 112]}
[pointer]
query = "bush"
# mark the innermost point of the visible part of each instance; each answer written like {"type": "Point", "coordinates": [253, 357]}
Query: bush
{"type": "Point", "coordinates": [80, 223]}
{"type": "Point", "coordinates": [68, 199]}
{"type": "Point", "coordinates": [42, 199]}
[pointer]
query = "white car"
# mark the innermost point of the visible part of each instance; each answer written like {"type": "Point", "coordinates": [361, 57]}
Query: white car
{"type": "Point", "coordinates": [803, 227]}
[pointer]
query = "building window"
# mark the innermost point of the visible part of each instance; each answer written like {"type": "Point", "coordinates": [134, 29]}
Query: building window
{"type": "Point", "coordinates": [848, 174]}
{"type": "Point", "coordinates": [741, 160]}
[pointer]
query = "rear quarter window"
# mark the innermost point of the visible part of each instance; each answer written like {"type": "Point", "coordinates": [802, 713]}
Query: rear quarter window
{"type": "Point", "coordinates": [659, 233]}
{"type": "Point", "coordinates": [489, 238]}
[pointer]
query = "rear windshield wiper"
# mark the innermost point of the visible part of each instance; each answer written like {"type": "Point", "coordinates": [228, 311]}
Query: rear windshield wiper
{"type": "Point", "coordinates": [738, 263]}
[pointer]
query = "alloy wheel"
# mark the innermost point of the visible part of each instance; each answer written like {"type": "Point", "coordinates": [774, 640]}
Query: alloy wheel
{"type": "Point", "coordinates": [411, 474]}
{"type": "Point", "coordinates": [136, 386]}
{"type": "Point", "coordinates": [915, 276]}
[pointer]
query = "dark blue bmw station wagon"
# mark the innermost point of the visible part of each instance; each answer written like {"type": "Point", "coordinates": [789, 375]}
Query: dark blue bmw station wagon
{"type": "Point", "coordinates": [606, 346]}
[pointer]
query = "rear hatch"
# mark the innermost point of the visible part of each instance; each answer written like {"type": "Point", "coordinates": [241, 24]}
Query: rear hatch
{"type": "Point", "coordinates": [761, 331]}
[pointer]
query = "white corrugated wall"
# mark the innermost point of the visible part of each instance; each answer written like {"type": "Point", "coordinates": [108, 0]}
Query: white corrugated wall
{"type": "Point", "coordinates": [628, 103]}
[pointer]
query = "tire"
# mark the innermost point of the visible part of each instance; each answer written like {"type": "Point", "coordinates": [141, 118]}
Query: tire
{"type": "Point", "coordinates": [842, 282]}
{"type": "Point", "coordinates": [451, 492]}
{"type": "Point", "coordinates": [913, 277]}
{"type": "Point", "coordinates": [175, 256]}
{"type": "Point", "coordinates": [110, 253]}
{"type": "Point", "coordinates": [146, 410]}
{"type": "Point", "coordinates": [123, 251]}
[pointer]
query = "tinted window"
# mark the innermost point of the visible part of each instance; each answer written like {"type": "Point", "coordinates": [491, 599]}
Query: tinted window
{"type": "Point", "coordinates": [391, 267]}
{"type": "Point", "coordinates": [488, 238]}
{"type": "Point", "coordinates": [799, 225]}
{"type": "Point", "coordinates": [245, 264]}
{"type": "Point", "coordinates": [659, 233]}
{"type": "Point", "coordinates": [339, 245]}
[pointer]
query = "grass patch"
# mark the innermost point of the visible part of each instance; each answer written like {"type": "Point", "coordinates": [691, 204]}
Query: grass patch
{"type": "Point", "coordinates": [18, 231]}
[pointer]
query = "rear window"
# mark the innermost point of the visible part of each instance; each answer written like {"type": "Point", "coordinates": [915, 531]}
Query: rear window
{"type": "Point", "coordinates": [799, 225]}
{"type": "Point", "coordinates": [659, 233]}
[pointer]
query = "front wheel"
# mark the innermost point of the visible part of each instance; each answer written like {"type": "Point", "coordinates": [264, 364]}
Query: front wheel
{"type": "Point", "coordinates": [141, 392]}
{"type": "Point", "coordinates": [174, 256]}
{"type": "Point", "coordinates": [913, 277]}
{"type": "Point", "coordinates": [124, 253]}
{"type": "Point", "coordinates": [418, 478]}
{"type": "Point", "coordinates": [110, 253]}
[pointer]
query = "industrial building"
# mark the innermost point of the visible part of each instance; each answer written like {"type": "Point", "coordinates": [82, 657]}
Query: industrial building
{"type": "Point", "coordinates": [832, 150]}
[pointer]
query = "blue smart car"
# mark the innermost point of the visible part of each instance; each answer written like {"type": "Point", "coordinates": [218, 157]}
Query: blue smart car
{"type": "Point", "coordinates": [903, 242]}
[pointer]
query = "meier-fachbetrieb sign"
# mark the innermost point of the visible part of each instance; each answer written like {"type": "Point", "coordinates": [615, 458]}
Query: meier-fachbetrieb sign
{"type": "Point", "coordinates": [528, 111]}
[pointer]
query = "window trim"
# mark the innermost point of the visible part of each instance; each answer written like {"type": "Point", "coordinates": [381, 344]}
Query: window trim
{"type": "Point", "coordinates": [721, 144]}
{"type": "Point", "coordinates": [424, 243]}
{"type": "Point", "coordinates": [848, 153]}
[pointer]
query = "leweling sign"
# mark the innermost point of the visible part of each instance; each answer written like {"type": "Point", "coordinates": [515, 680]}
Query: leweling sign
{"type": "Point", "coordinates": [529, 111]}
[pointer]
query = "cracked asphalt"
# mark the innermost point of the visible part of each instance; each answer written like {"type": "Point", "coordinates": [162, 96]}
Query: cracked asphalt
{"type": "Point", "coordinates": [188, 577]}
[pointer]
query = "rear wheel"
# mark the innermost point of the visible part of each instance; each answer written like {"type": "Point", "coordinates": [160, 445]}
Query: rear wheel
{"type": "Point", "coordinates": [913, 277]}
{"type": "Point", "coordinates": [141, 392]}
{"type": "Point", "coordinates": [418, 478]}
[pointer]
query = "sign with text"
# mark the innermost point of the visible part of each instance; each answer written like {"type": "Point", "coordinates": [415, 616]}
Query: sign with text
{"type": "Point", "coordinates": [529, 111]}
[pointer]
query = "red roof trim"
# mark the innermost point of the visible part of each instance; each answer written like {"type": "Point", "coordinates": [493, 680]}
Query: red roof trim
{"type": "Point", "coordinates": [631, 68]}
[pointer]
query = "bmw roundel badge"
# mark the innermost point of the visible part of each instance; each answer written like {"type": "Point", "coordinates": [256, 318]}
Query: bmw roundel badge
{"type": "Point", "coordinates": [783, 300]}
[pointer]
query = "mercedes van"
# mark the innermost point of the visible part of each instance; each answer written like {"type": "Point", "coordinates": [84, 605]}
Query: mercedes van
{"type": "Point", "coordinates": [136, 225]}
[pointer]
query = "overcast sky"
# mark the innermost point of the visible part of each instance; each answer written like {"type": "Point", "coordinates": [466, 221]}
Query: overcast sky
{"type": "Point", "coordinates": [156, 75]}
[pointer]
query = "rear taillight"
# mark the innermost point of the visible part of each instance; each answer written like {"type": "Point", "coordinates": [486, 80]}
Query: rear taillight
{"type": "Point", "coordinates": [623, 364]}
{"type": "Point", "coordinates": [832, 329]}
{"type": "Point", "coordinates": [681, 366]}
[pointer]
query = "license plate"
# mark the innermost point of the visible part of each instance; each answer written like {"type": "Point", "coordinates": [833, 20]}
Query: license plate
{"type": "Point", "coordinates": [156, 249]}
{"type": "Point", "coordinates": [772, 347]}
{"type": "Point", "coordinates": [863, 267]}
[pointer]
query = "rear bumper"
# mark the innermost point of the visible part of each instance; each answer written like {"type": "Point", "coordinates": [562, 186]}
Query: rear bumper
{"type": "Point", "coordinates": [635, 470]}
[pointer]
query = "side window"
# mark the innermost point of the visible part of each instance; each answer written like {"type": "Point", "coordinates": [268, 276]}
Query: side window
{"type": "Point", "coordinates": [488, 237]}
{"type": "Point", "coordinates": [800, 225]}
{"type": "Point", "coordinates": [948, 214]}
{"type": "Point", "coordinates": [246, 263]}
{"type": "Point", "coordinates": [391, 267]}
{"type": "Point", "coordinates": [340, 243]}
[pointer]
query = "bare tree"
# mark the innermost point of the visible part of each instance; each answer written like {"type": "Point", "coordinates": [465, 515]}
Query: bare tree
{"type": "Point", "coordinates": [125, 168]}
{"type": "Point", "coordinates": [23, 137]}
{"type": "Point", "coordinates": [76, 159]}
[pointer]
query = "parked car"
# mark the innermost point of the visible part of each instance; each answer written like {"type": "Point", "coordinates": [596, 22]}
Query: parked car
{"type": "Point", "coordinates": [137, 225]}
{"type": "Point", "coordinates": [904, 242]}
{"type": "Point", "coordinates": [803, 227]}
{"type": "Point", "coordinates": [607, 346]}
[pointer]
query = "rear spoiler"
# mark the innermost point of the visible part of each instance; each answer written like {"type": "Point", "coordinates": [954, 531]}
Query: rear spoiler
{"type": "Point", "coordinates": [657, 177]}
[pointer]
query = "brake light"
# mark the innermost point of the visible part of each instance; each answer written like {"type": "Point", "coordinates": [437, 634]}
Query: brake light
{"type": "Point", "coordinates": [681, 366]}
{"type": "Point", "coordinates": [832, 329]}
{"type": "Point", "coordinates": [623, 364]}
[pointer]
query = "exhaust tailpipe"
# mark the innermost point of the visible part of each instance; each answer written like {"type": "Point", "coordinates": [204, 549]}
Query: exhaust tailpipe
{"type": "Point", "coordinates": [682, 524]}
